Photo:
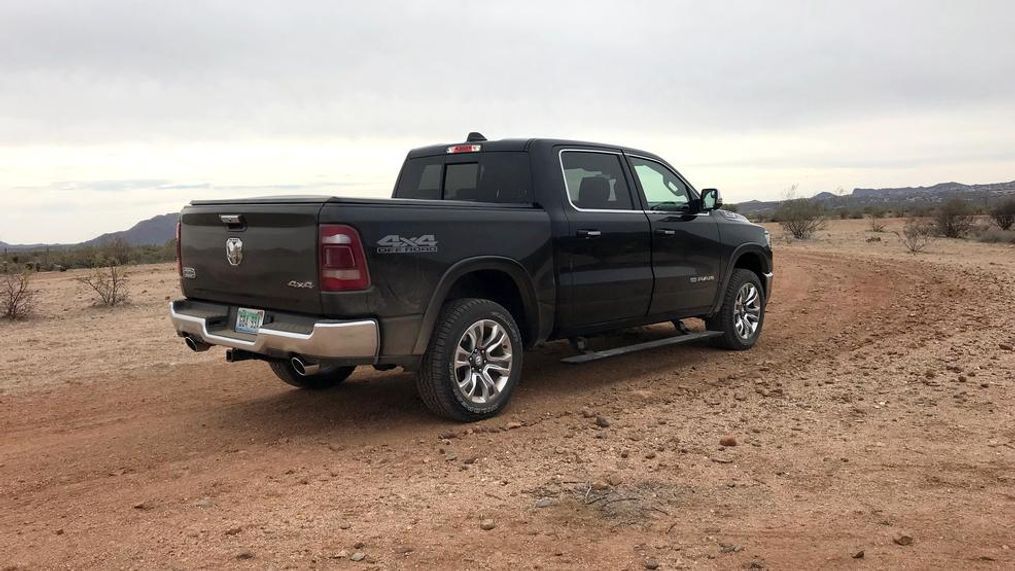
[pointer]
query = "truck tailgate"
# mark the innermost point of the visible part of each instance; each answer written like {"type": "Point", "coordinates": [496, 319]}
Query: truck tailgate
{"type": "Point", "coordinates": [252, 255]}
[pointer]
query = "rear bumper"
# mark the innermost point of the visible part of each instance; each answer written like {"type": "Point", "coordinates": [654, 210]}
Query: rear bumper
{"type": "Point", "coordinates": [282, 335]}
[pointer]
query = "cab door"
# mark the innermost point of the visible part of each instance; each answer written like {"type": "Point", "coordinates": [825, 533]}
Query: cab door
{"type": "Point", "coordinates": [685, 242]}
{"type": "Point", "coordinates": [607, 269]}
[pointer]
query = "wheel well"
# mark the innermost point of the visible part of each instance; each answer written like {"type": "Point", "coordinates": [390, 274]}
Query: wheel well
{"type": "Point", "coordinates": [497, 286]}
{"type": "Point", "coordinates": [751, 261]}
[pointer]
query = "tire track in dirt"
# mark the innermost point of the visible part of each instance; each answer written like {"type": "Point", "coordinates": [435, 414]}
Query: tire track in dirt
{"type": "Point", "coordinates": [206, 450]}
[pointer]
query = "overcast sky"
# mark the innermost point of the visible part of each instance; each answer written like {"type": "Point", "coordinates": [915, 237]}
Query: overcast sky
{"type": "Point", "coordinates": [111, 112]}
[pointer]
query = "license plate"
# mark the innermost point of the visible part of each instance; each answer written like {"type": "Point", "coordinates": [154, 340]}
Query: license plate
{"type": "Point", "coordinates": [249, 320]}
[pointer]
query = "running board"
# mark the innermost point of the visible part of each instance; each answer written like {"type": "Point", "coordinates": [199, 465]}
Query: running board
{"type": "Point", "coordinates": [605, 353]}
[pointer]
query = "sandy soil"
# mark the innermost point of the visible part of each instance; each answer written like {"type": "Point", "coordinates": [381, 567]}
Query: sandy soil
{"type": "Point", "coordinates": [873, 422]}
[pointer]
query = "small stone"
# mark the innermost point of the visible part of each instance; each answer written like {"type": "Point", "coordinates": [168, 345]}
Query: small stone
{"type": "Point", "coordinates": [59, 531]}
{"type": "Point", "coordinates": [602, 421]}
{"type": "Point", "coordinates": [142, 506]}
{"type": "Point", "coordinates": [487, 524]}
{"type": "Point", "coordinates": [858, 555]}
{"type": "Point", "coordinates": [614, 479]}
{"type": "Point", "coordinates": [245, 554]}
{"type": "Point", "coordinates": [588, 413]}
{"type": "Point", "coordinates": [514, 425]}
{"type": "Point", "coordinates": [234, 530]}
{"type": "Point", "coordinates": [544, 502]}
{"type": "Point", "coordinates": [651, 564]}
{"type": "Point", "coordinates": [344, 525]}
{"type": "Point", "coordinates": [903, 539]}
{"type": "Point", "coordinates": [358, 556]}
{"type": "Point", "coordinates": [1006, 346]}
{"type": "Point", "coordinates": [341, 554]}
{"type": "Point", "coordinates": [204, 502]}
{"type": "Point", "coordinates": [728, 548]}
{"type": "Point", "coordinates": [728, 440]}
{"type": "Point", "coordinates": [359, 545]}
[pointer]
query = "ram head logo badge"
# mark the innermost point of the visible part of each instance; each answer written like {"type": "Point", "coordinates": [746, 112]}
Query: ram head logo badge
{"type": "Point", "coordinates": [234, 251]}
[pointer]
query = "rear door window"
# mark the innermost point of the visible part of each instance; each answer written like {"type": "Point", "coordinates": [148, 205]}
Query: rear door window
{"type": "Point", "coordinates": [595, 180]}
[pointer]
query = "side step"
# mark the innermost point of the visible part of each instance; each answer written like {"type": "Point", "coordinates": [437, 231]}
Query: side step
{"type": "Point", "coordinates": [675, 340]}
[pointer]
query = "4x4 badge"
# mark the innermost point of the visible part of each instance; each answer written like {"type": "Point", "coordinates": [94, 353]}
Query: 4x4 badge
{"type": "Point", "coordinates": [234, 251]}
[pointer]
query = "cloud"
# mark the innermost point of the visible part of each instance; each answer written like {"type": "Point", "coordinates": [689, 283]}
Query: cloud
{"type": "Point", "coordinates": [744, 94]}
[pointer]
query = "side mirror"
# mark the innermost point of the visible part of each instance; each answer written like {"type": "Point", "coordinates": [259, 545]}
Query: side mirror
{"type": "Point", "coordinates": [710, 199]}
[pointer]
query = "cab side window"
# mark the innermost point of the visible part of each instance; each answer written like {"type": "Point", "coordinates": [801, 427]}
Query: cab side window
{"type": "Point", "coordinates": [663, 189]}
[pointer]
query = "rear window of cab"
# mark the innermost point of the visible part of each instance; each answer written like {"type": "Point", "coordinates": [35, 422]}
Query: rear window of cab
{"type": "Point", "coordinates": [479, 177]}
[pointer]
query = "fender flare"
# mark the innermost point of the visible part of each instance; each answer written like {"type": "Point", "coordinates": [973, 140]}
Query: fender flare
{"type": "Point", "coordinates": [520, 276]}
{"type": "Point", "coordinates": [739, 252]}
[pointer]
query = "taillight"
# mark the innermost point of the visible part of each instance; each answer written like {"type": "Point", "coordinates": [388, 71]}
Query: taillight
{"type": "Point", "coordinates": [343, 263]}
{"type": "Point", "coordinates": [179, 257]}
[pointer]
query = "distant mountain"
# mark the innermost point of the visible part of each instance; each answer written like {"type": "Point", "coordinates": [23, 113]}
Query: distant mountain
{"type": "Point", "coordinates": [154, 231]}
{"type": "Point", "coordinates": [905, 197]}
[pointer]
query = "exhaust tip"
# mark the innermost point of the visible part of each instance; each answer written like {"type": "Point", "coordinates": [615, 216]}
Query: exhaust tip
{"type": "Point", "coordinates": [303, 368]}
{"type": "Point", "coordinates": [195, 345]}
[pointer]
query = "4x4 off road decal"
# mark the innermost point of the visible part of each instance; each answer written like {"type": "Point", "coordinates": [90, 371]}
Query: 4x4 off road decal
{"type": "Point", "coordinates": [395, 244]}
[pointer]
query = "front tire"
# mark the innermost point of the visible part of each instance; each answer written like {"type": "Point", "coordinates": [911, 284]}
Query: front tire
{"type": "Point", "coordinates": [325, 379]}
{"type": "Point", "coordinates": [473, 363]}
{"type": "Point", "coordinates": [742, 313]}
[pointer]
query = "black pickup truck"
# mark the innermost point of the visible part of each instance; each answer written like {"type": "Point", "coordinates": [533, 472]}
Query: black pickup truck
{"type": "Point", "coordinates": [485, 248]}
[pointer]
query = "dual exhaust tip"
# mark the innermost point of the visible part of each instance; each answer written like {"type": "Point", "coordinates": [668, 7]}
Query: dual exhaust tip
{"type": "Point", "coordinates": [302, 367]}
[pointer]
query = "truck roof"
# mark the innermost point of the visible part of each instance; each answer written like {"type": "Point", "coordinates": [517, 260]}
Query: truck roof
{"type": "Point", "coordinates": [501, 145]}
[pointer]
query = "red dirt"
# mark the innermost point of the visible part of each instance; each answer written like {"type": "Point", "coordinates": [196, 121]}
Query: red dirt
{"type": "Point", "coordinates": [878, 403]}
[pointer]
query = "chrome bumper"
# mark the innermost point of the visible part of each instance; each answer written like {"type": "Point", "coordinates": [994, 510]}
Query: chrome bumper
{"type": "Point", "coordinates": [327, 339]}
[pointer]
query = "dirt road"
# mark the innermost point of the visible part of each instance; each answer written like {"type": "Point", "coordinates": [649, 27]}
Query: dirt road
{"type": "Point", "coordinates": [877, 407]}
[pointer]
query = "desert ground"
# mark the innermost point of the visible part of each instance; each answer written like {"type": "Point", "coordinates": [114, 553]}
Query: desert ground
{"type": "Point", "coordinates": [874, 426]}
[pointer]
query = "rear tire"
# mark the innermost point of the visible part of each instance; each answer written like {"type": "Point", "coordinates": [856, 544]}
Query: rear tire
{"type": "Point", "coordinates": [325, 379]}
{"type": "Point", "coordinates": [742, 313]}
{"type": "Point", "coordinates": [473, 363]}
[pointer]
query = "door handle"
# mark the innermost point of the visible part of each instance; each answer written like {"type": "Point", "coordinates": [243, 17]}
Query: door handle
{"type": "Point", "coordinates": [666, 232]}
{"type": "Point", "coordinates": [587, 234]}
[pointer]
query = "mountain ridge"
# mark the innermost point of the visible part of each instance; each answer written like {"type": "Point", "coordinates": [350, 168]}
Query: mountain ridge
{"type": "Point", "coordinates": [911, 196]}
{"type": "Point", "coordinates": [153, 231]}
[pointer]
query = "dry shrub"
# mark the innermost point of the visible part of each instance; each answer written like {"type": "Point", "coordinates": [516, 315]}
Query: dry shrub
{"type": "Point", "coordinates": [17, 299]}
{"type": "Point", "coordinates": [876, 222]}
{"type": "Point", "coordinates": [1003, 214]}
{"type": "Point", "coordinates": [801, 217]}
{"type": "Point", "coordinates": [954, 219]}
{"type": "Point", "coordinates": [916, 234]}
{"type": "Point", "coordinates": [109, 284]}
{"type": "Point", "coordinates": [993, 235]}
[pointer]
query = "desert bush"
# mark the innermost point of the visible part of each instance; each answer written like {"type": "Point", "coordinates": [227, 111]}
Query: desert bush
{"type": "Point", "coordinates": [954, 219]}
{"type": "Point", "coordinates": [1003, 214]}
{"type": "Point", "coordinates": [800, 217]}
{"type": "Point", "coordinates": [17, 298]}
{"type": "Point", "coordinates": [109, 285]}
{"type": "Point", "coordinates": [875, 216]}
{"type": "Point", "coordinates": [993, 235]}
{"type": "Point", "coordinates": [117, 251]}
{"type": "Point", "coordinates": [916, 234]}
